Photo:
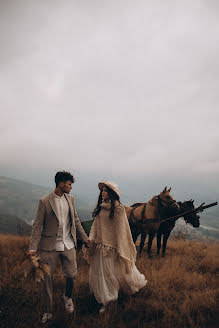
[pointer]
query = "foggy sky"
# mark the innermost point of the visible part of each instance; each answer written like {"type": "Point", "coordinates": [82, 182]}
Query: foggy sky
{"type": "Point", "coordinates": [126, 87]}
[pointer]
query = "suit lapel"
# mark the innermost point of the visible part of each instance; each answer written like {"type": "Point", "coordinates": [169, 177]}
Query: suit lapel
{"type": "Point", "coordinates": [70, 206]}
{"type": "Point", "coordinates": [53, 205]}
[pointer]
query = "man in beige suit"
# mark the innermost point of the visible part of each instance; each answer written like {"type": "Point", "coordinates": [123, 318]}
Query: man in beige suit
{"type": "Point", "coordinates": [54, 234]}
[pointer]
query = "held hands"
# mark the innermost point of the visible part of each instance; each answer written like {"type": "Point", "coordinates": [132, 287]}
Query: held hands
{"type": "Point", "coordinates": [87, 243]}
{"type": "Point", "coordinates": [31, 253]}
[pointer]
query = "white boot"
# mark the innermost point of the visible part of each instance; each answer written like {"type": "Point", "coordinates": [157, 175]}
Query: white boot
{"type": "Point", "coordinates": [69, 306]}
{"type": "Point", "coordinates": [102, 309]}
{"type": "Point", "coordinates": [46, 317]}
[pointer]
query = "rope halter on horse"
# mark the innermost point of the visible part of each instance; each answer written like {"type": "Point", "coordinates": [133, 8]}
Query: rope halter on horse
{"type": "Point", "coordinates": [168, 204]}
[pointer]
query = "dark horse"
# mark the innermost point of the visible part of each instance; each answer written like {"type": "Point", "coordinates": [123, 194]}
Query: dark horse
{"type": "Point", "coordinates": [167, 226]}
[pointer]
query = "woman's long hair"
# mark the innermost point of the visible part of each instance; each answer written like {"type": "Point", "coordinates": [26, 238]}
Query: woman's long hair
{"type": "Point", "coordinates": [112, 196]}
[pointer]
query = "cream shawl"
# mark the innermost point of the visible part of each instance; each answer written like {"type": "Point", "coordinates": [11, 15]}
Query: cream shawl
{"type": "Point", "coordinates": [112, 234]}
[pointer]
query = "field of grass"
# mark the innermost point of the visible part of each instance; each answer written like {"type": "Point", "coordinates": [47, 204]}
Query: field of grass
{"type": "Point", "coordinates": [182, 291]}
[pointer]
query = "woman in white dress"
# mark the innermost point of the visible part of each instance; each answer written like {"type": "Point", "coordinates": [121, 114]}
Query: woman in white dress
{"type": "Point", "coordinates": [111, 253]}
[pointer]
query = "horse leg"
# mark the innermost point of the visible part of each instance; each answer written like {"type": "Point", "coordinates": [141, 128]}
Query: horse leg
{"type": "Point", "coordinates": [151, 237]}
{"type": "Point", "coordinates": [158, 243]}
{"type": "Point", "coordinates": [143, 237]}
{"type": "Point", "coordinates": [165, 238]}
{"type": "Point", "coordinates": [134, 233]}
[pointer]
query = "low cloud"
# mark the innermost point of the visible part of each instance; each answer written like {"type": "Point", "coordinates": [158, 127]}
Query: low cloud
{"type": "Point", "coordinates": [121, 87]}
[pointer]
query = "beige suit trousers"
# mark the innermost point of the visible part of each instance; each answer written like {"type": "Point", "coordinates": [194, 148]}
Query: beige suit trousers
{"type": "Point", "coordinates": [69, 268]}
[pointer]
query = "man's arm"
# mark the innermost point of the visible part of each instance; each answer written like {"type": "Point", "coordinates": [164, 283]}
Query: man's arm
{"type": "Point", "coordinates": [37, 227]}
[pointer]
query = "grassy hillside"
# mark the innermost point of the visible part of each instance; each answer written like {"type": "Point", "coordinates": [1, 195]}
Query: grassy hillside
{"type": "Point", "coordinates": [182, 291]}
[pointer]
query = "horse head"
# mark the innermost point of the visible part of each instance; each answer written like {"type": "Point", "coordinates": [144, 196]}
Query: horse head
{"type": "Point", "coordinates": [191, 218]}
{"type": "Point", "coordinates": [167, 201]}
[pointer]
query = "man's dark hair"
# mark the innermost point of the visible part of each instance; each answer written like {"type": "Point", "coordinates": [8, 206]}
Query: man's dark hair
{"type": "Point", "coordinates": [63, 176]}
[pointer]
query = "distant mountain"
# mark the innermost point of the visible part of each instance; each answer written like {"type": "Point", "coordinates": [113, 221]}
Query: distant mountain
{"type": "Point", "coordinates": [203, 232]}
{"type": "Point", "coordinates": [13, 225]}
{"type": "Point", "coordinates": [20, 199]}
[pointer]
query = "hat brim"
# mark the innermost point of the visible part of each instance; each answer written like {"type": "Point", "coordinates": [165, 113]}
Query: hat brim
{"type": "Point", "coordinates": [103, 184]}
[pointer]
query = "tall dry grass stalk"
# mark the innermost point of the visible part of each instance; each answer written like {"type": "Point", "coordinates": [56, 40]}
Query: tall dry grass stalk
{"type": "Point", "coordinates": [182, 291]}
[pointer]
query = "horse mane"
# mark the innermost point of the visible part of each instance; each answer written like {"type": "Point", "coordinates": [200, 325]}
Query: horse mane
{"type": "Point", "coordinates": [153, 200]}
{"type": "Point", "coordinates": [136, 205]}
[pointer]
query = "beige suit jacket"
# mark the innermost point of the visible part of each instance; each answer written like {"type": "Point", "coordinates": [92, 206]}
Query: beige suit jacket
{"type": "Point", "coordinates": [46, 224]}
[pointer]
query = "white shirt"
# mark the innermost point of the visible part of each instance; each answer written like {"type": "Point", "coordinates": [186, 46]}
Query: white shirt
{"type": "Point", "coordinates": [64, 236]}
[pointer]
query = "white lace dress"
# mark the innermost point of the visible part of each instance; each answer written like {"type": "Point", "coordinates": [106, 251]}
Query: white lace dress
{"type": "Point", "coordinates": [107, 275]}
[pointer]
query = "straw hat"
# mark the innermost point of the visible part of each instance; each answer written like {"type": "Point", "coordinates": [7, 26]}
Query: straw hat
{"type": "Point", "coordinates": [109, 184]}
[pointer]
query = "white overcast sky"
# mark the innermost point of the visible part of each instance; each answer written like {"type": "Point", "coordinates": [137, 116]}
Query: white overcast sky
{"type": "Point", "coordinates": [127, 87]}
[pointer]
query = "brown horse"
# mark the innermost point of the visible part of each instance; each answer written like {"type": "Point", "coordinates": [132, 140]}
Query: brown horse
{"type": "Point", "coordinates": [167, 225]}
{"type": "Point", "coordinates": [145, 218]}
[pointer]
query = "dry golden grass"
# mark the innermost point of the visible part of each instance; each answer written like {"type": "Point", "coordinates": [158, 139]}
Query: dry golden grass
{"type": "Point", "coordinates": [182, 291]}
